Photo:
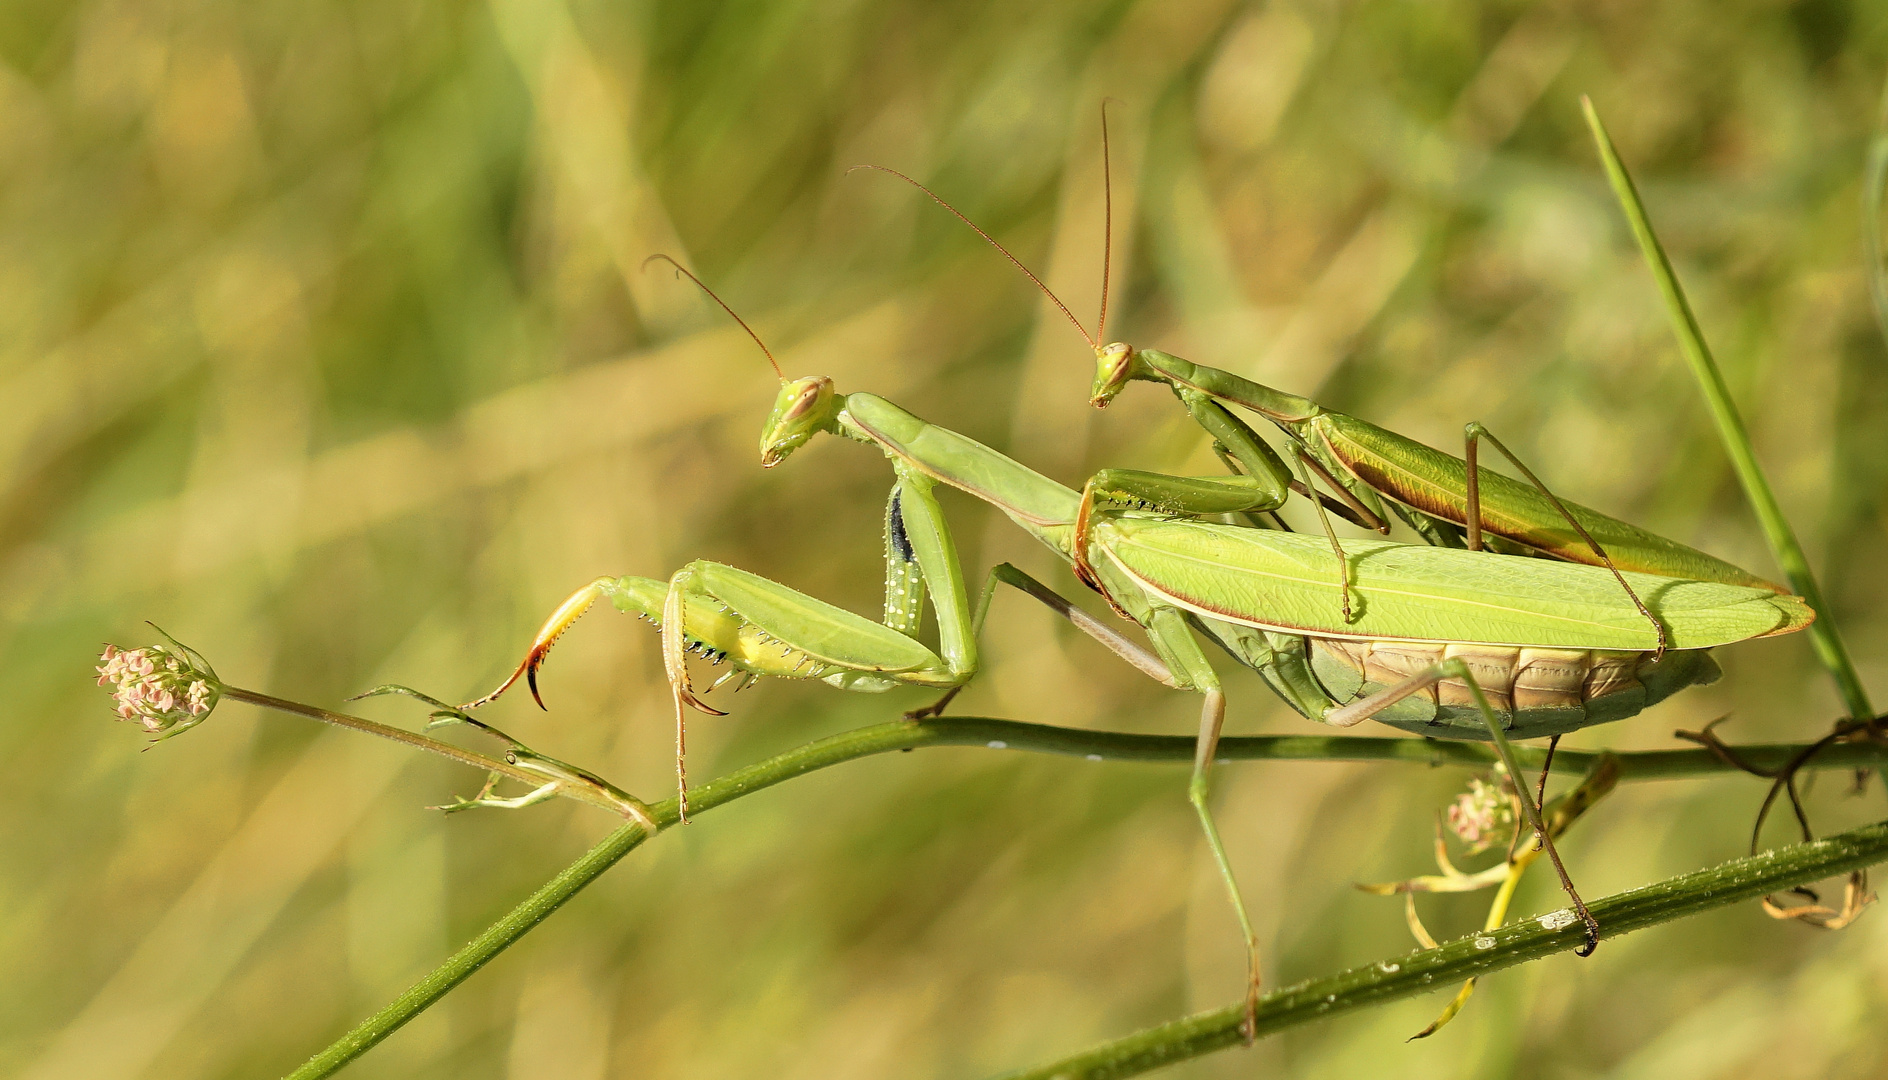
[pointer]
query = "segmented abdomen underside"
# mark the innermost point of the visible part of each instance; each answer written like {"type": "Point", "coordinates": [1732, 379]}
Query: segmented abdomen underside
{"type": "Point", "coordinates": [1511, 677]}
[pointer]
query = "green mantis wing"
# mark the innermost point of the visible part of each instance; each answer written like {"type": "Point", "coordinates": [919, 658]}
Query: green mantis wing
{"type": "Point", "coordinates": [1433, 482]}
{"type": "Point", "coordinates": [1372, 461]}
{"type": "Point", "coordinates": [1289, 582]}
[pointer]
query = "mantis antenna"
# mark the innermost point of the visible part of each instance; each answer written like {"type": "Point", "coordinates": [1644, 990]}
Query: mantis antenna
{"type": "Point", "coordinates": [680, 269]}
{"type": "Point", "coordinates": [1094, 342]}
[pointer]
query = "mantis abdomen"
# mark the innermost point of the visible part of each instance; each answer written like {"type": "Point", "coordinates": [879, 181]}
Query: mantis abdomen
{"type": "Point", "coordinates": [1539, 691]}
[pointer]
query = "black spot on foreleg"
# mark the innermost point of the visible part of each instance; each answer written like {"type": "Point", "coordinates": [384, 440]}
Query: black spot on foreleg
{"type": "Point", "coordinates": [896, 537]}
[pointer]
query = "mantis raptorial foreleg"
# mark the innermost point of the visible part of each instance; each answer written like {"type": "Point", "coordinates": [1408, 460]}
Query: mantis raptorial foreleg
{"type": "Point", "coordinates": [984, 597]}
{"type": "Point", "coordinates": [1235, 438]}
{"type": "Point", "coordinates": [762, 628]}
{"type": "Point", "coordinates": [1200, 496]}
{"type": "Point", "coordinates": [758, 627]}
{"type": "Point", "coordinates": [1131, 489]}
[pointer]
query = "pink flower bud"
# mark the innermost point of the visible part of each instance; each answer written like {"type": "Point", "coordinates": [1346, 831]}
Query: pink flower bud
{"type": "Point", "coordinates": [162, 687]}
{"type": "Point", "coordinates": [1481, 815]}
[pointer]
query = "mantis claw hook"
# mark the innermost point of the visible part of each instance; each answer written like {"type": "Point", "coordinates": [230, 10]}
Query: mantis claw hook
{"type": "Point", "coordinates": [531, 678]}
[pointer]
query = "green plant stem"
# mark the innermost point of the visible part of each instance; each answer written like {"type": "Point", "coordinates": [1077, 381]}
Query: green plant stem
{"type": "Point", "coordinates": [1113, 746]}
{"type": "Point", "coordinates": [1776, 528]}
{"type": "Point", "coordinates": [582, 792]}
{"type": "Point", "coordinates": [1007, 735]}
{"type": "Point", "coordinates": [1474, 955]}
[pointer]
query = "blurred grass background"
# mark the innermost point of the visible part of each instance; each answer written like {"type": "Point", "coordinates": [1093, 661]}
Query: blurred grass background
{"type": "Point", "coordinates": [324, 345]}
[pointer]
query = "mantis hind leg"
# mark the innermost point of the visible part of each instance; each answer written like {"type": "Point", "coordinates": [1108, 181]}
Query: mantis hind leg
{"type": "Point", "coordinates": [1499, 736]}
{"type": "Point", "coordinates": [1472, 434]}
{"type": "Point", "coordinates": [1364, 708]}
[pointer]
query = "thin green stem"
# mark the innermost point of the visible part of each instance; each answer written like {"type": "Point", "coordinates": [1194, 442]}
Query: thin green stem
{"type": "Point", "coordinates": [583, 789]}
{"type": "Point", "coordinates": [1475, 955]}
{"type": "Point", "coordinates": [1003, 735]}
{"type": "Point", "coordinates": [1776, 528]}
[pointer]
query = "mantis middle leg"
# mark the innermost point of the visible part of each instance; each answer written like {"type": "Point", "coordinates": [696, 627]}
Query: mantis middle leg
{"type": "Point", "coordinates": [1176, 661]}
{"type": "Point", "coordinates": [1169, 631]}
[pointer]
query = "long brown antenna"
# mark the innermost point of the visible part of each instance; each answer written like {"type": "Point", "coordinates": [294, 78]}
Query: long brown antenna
{"type": "Point", "coordinates": [938, 199]}
{"type": "Point", "coordinates": [1107, 227]}
{"type": "Point", "coordinates": [680, 269]}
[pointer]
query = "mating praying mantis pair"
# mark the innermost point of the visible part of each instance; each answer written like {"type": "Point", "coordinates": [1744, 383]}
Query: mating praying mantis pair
{"type": "Point", "coordinates": [1437, 640]}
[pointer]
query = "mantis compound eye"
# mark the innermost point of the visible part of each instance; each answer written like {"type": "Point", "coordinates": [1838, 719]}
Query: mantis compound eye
{"type": "Point", "coordinates": [807, 397]}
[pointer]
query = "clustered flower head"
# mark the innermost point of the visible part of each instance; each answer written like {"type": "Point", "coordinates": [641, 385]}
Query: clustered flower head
{"type": "Point", "coordinates": [1483, 814]}
{"type": "Point", "coordinates": [166, 689]}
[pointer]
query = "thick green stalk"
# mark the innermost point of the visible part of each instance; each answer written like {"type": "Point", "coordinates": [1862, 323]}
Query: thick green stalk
{"type": "Point", "coordinates": [1474, 955]}
{"type": "Point", "coordinates": [1006, 735]}
{"type": "Point", "coordinates": [1776, 528]}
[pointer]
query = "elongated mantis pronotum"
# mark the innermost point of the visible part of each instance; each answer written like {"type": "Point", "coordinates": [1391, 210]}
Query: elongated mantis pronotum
{"type": "Point", "coordinates": [1554, 643]}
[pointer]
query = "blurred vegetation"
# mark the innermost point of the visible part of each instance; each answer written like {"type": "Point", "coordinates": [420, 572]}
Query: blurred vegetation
{"type": "Point", "coordinates": [325, 346]}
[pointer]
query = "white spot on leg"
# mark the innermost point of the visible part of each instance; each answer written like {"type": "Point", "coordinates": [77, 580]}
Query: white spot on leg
{"type": "Point", "coordinates": [1484, 943]}
{"type": "Point", "coordinates": [1094, 757]}
{"type": "Point", "coordinates": [998, 744]}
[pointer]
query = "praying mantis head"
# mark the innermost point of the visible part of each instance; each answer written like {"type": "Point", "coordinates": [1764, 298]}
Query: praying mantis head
{"type": "Point", "coordinates": [1114, 368]}
{"type": "Point", "coordinates": [805, 407]}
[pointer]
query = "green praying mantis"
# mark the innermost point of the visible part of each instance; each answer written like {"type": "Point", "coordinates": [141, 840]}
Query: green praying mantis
{"type": "Point", "coordinates": [1441, 641]}
{"type": "Point", "coordinates": [1449, 501]}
